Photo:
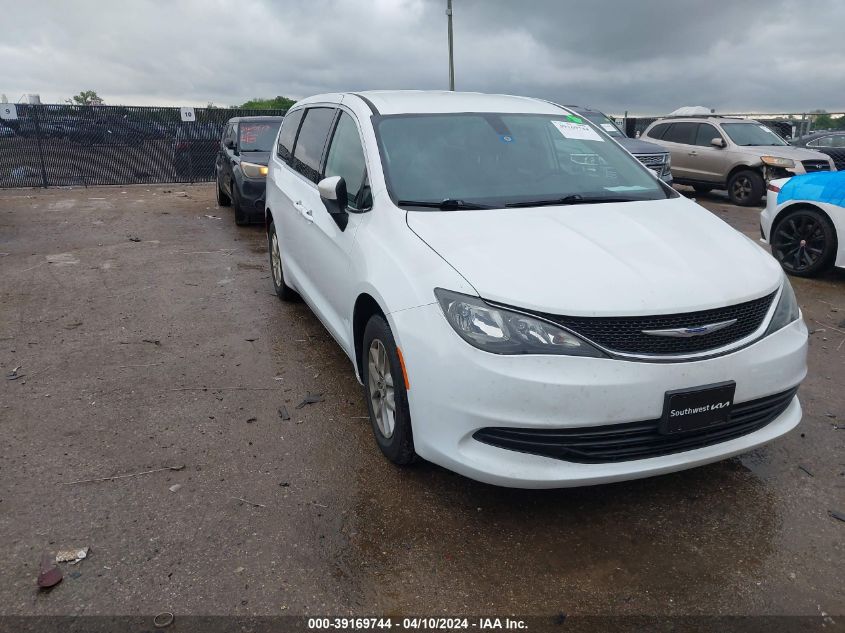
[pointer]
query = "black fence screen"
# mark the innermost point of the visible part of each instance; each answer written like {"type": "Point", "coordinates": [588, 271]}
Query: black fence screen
{"type": "Point", "coordinates": [60, 145]}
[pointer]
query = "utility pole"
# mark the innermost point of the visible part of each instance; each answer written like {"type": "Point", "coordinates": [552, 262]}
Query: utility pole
{"type": "Point", "coordinates": [451, 47]}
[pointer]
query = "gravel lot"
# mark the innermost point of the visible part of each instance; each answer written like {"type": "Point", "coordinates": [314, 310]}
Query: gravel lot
{"type": "Point", "coordinates": [148, 337]}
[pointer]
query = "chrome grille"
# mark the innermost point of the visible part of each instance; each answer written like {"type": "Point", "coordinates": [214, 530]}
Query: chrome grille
{"type": "Point", "coordinates": [652, 160]}
{"type": "Point", "coordinates": [656, 162]}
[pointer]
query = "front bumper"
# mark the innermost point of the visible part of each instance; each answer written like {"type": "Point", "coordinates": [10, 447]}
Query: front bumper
{"type": "Point", "coordinates": [457, 389]}
{"type": "Point", "coordinates": [252, 192]}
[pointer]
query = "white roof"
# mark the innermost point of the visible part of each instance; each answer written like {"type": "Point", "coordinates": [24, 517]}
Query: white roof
{"type": "Point", "coordinates": [691, 111]}
{"type": "Point", "coordinates": [434, 101]}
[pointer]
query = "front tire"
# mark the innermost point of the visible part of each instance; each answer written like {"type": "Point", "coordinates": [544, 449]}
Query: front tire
{"type": "Point", "coordinates": [745, 188]}
{"type": "Point", "coordinates": [222, 199]}
{"type": "Point", "coordinates": [240, 216]}
{"type": "Point", "coordinates": [804, 242]}
{"type": "Point", "coordinates": [384, 390]}
{"type": "Point", "coordinates": [702, 189]}
{"type": "Point", "coordinates": [277, 274]}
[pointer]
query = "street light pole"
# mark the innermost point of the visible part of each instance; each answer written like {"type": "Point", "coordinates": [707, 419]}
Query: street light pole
{"type": "Point", "coordinates": [451, 47]}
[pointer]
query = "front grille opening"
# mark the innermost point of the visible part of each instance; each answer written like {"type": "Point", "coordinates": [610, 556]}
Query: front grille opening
{"type": "Point", "coordinates": [815, 165]}
{"type": "Point", "coordinates": [634, 440]}
{"type": "Point", "coordinates": [625, 334]}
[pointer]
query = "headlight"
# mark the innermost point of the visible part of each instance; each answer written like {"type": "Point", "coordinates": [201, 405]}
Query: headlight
{"type": "Point", "coordinates": [775, 161]}
{"type": "Point", "coordinates": [504, 332]}
{"type": "Point", "coordinates": [253, 170]}
{"type": "Point", "coordinates": [786, 311]}
{"type": "Point", "coordinates": [668, 160]}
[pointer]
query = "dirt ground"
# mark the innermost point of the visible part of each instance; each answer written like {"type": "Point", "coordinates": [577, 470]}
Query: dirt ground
{"type": "Point", "coordinates": [148, 337]}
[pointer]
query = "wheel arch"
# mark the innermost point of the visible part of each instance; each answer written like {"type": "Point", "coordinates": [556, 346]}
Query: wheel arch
{"type": "Point", "coordinates": [268, 219]}
{"type": "Point", "coordinates": [746, 167]}
{"type": "Point", "coordinates": [366, 306]}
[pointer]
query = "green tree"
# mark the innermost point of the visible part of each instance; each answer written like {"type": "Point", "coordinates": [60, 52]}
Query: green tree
{"type": "Point", "coordinates": [821, 120]}
{"type": "Point", "coordinates": [276, 103]}
{"type": "Point", "coordinates": [86, 97]}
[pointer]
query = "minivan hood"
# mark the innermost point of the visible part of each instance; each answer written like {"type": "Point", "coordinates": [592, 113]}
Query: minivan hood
{"type": "Point", "coordinates": [620, 259]}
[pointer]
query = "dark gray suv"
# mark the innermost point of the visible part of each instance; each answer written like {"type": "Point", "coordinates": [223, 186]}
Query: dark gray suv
{"type": "Point", "coordinates": [651, 155]}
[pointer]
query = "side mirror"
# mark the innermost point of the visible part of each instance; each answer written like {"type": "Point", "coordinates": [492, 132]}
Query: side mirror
{"type": "Point", "coordinates": [333, 194]}
{"type": "Point", "coordinates": [229, 143]}
{"type": "Point", "coordinates": [718, 142]}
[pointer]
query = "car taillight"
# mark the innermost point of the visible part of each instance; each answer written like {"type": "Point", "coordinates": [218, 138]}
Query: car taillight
{"type": "Point", "coordinates": [773, 188]}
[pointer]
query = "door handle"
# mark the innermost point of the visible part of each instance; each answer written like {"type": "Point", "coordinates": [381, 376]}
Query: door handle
{"type": "Point", "coordinates": [307, 214]}
{"type": "Point", "coordinates": [693, 153]}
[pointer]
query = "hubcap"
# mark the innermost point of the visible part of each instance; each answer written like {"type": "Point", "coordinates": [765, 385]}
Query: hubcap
{"type": "Point", "coordinates": [799, 242]}
{"type": "Point", "coordinates": [276, 260]}
{"type": "Point", "coordinates": [380, 388]}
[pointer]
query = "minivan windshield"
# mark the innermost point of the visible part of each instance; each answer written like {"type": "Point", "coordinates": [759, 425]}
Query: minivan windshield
{"type": "Point", "coordinates": [488, 160]}
{"type": "Point", "coordinates": [257, 136]}
{"type": "Point", "coordinates": [749, 134]}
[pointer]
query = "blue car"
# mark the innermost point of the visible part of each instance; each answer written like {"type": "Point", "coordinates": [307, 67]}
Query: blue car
{"type": "Point", "coordinates": [804, 222]}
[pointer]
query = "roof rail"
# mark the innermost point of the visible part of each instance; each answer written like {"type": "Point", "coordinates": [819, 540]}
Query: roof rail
{"type": "Point", "coordinates": [700, 116]}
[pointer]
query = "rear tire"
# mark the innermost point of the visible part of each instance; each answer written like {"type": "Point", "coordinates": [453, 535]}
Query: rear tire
{"type": "Point", "coordinates": [384, 391]}
{"type": "Point", "coordinates": [222, 199]}
{"type": "Point", "coordinates": [745, 188]}
{"type": "Point", "coordinates": [277, 274]}
{"type": "Point", "coordinates": [804, 242]}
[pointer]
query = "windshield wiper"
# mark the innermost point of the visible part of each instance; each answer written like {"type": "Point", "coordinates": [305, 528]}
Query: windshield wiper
{"type": "Point", "coordinates": [575, 198]}
{"type": "Point", "coordinates": [449, 204]}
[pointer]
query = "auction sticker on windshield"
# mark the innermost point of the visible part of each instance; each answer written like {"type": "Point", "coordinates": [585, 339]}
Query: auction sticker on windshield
{"type": "Point", "coordinates": [578, 131]}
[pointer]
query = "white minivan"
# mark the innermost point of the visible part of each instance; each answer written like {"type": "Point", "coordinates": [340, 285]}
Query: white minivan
{"type": "Point", "coordinates": [523, 301]}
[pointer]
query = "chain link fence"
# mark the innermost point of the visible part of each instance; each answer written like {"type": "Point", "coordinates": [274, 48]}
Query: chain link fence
{"type": "Point", "coordinates": [62, 145]}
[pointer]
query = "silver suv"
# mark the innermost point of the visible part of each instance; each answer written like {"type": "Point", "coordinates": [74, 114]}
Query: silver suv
{"type": "Point", "coordinates": [740, 155]}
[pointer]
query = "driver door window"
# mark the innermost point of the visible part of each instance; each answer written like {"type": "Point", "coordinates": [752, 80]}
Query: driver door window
{"type": "Point", "coordinates": [706, 134]}
{"type": "Point", "coordinates": [346, 159]}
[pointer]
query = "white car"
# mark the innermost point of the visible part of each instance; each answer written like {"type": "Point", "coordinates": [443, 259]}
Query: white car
{"type": "Point", "coordinates": [804, 222]}
{"type": "Point", "coordinates": [523, 301]}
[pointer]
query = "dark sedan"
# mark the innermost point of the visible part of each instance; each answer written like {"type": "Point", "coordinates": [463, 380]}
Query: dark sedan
{"type": "Point", "coordinates": [242, 165]}
{"type": "Point", "coordinates": [831, 143]}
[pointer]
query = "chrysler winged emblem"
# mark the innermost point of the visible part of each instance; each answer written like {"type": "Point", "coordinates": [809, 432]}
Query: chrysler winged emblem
{"type": "Point", "coordinates": [687, 332]}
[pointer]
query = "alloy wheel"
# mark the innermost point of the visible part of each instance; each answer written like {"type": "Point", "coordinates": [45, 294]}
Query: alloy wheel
{"type": "Point", "coordinates": [800, 241]}
{"type": "Point", "coordinates": [380, 388]}
{"type": "Point", "coordinates": [742, 188]}
{"type": "Point", "coordinates": [276, 260]}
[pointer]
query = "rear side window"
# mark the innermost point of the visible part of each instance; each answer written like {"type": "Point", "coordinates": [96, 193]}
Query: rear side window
{"type": "Point", "coordinates": [828, 141]}
{"type": "Point", "coordinates": [228, 132]}
{"type": "Point", "coordinates": [682, 132]}
{"type": "Point", "coordinates": [311, 141]}
{"type": "Point", "coordinates": [658, 130]}
{"type": "Point", "coordinates": [288, 135]}
{"type": "Point", "coordinates": [346, 159]}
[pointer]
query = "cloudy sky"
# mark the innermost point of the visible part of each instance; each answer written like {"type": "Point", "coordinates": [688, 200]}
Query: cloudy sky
{"type": "Point", "coordinates": [648, 56]}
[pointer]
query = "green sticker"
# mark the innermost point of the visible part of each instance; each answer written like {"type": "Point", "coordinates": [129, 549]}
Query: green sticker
{"type": "Point", "coordinates": [573, 119]}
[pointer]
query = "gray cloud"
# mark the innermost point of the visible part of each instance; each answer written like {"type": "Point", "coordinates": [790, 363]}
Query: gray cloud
{"type": "Point", "coordinates": [649, 56]}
